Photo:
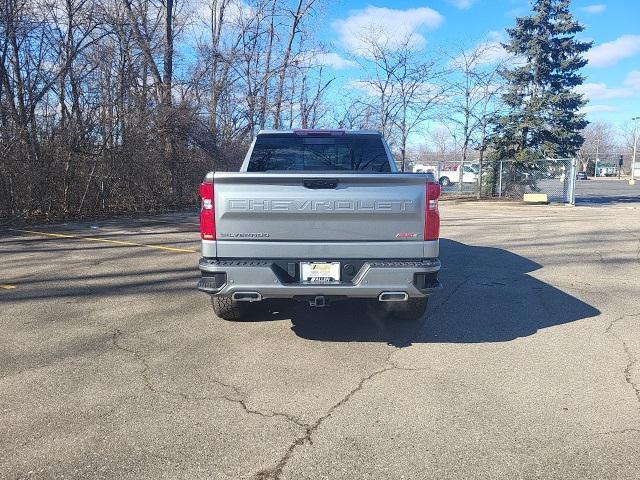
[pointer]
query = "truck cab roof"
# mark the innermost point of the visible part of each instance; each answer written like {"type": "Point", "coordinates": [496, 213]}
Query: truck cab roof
{"type": "Point", "coordinates": [319, 132]}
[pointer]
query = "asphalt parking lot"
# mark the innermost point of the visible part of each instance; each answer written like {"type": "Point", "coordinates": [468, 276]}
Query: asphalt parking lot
{"type": "Point", "coordinates": [112, 365]}
{"type": "Point", "coordinates": [606, 191]}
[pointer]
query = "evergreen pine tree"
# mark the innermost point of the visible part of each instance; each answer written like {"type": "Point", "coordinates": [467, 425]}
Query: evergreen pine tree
{"type": "Point", "coordinates": [542, 117]}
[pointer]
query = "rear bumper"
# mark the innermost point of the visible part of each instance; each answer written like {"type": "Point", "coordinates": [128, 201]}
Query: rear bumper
{"type": "Point", "coordinates": [313, 250]}
{"type": "Point", "coordinates": [270, 278]}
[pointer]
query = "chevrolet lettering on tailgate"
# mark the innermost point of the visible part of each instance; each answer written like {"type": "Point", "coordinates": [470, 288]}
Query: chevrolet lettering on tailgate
{"type": "Point", "coordinates": [284, 205]}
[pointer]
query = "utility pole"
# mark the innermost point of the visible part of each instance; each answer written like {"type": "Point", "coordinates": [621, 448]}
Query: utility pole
{"type": "Point", "coordinates": [595, 172]}
{"type": "Point", "coordinates": [632, 181]}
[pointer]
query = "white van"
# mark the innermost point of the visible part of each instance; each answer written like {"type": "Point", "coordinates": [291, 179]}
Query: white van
{"type": "Point", "coordinates": [452, 175]}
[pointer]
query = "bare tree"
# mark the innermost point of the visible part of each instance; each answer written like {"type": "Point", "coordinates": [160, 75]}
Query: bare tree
{"type": "Point", "coordinates": [401, 84]}
{"type": "Point", "coordinates": [297, 15]}
{"type": "Point", "coordinates": [353, 113]}
{"type": "Point", "coordinates": [626, 136]}
{"type": "Point", "coordinates": [473, 100]}
{"type": "Point", "coordinates": [598, 138]}
{"type": "Point", "coordinates": [267, 70]}
{"type": "Point", "coordinates": [107, 105]}
{"type": "Point", "coordinates": [442, 142]}
{"type": "Point", "coordinates": [417, 93]}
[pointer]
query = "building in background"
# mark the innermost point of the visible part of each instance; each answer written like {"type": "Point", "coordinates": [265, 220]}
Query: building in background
{"type": "Point", "coordinates": [606, 169]}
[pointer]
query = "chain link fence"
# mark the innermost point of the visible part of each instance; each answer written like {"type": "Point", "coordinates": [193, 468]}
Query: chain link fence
{"type": "Point", "coordinates": [507, 178]}
{"type": "Point", "coordinates": [554, 177]}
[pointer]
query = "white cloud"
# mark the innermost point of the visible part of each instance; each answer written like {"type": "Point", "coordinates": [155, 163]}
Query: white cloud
{"type": "Point", "coordinates": [237, 12]}
{"type": "Point", "coordinates": [334, 60]}
{"type": "Point", "coordinates": [492, 50]}
{"type": "Point", "coordinates": [489, 51]}
{"type": "Point", "coordinates": [494, 53]}
{"type": "Point", "coordinates": [595, 8]}
{"type": "Point", "coordinates": [330, 59]}
{"type": "Point", "coordinates": [633, 80]}
{"type": "Point", "coordinates": [600, 91]}
{"type": "Point", "coordinates": [390, 26]}
{"type": "Point", "coordinates": [462, 4]}
{"type": "Point", "coordinates": [496, 35]}
{"type": "Point", "coordinates": [517, 12]}
{"type": "Point", "coordinates": [597, 109]}
{"type": "Point", "coordinates": [610, 53]}
{"type": "Point", "coordinates": [363, 87]}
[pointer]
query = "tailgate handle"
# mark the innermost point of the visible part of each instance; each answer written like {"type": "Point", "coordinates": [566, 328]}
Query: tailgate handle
{"type": "Point", "coordinates": [317, 183]}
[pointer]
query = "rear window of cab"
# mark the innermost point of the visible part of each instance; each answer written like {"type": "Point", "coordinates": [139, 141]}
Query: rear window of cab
{"type": "Point", "coordinates": [276, 153]}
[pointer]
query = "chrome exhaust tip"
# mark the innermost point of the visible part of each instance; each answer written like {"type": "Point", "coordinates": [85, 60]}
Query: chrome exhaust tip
{"type": "Point", "coordinates": [393, 297]}
{"type": "Point", "coordinates": [246, 297]}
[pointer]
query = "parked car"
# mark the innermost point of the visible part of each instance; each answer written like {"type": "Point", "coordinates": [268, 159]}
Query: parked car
{"type": "Point", "coordinates": [582, 176]}
{"type": "Point", "coordinates": [319, 216]}
{"type": "Point", "coordinates": [449, 176]}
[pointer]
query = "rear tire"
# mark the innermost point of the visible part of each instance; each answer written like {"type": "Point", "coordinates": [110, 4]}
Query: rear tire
{"type": "Point", "coordinates": [228, 309]}
{"type": "Point", "coordinates": [445, 182]}
{"type": "Point", "coordinates": [410, 311]}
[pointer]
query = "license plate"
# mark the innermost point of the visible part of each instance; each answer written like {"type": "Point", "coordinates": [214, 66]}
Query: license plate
{"type": "Point", "coordinates": [320, 272]}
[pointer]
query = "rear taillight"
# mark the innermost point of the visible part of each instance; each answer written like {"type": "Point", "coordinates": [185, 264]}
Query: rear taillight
{"type": "Point", "coordinates": [432, 215]}
{"type": "Point", "coordinates": [207, 213]}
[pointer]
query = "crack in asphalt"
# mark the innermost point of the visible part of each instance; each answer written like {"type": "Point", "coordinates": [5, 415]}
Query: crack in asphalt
{"type": "Point", "coordinates": [275, 472]}
{"type": "Point", "coordinates": [616, 320]}
{"type": "Point", "coordinates": [251, 411]}
{"type": "Point", "coordinates": [452, 293]}
{"type": "Point", "coordinates": [107, 413]}
{"type": "Point", "coordinates": [115, 340]}
{"type": "Point", "coordinates": [624, 430]}
{"type": "Point", "coordinates": [239, 401]}
{"type": "Point", "coordinates": [627, 371]}
{"type": "Point", "coordinates": [631, 359]}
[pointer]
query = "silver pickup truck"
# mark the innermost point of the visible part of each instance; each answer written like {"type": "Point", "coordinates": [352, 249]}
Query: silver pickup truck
{"type": "Point", "coordinates": [319, 216]}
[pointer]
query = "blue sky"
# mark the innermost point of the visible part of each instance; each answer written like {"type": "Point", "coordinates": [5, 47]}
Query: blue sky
{"type": "Point", "coordinates": [612, 76]}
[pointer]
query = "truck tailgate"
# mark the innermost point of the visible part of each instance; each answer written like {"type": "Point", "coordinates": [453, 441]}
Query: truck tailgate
{"type": "Point", "coordinates": [288, 209]}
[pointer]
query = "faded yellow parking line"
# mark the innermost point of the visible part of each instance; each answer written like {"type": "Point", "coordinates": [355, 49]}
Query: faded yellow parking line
{"type": "Point", "coordinates": [7, 286]}
{"type": "Point", "coordinates": [106, 240]}
{"type": "Point", "coordinates": [169, 222]}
